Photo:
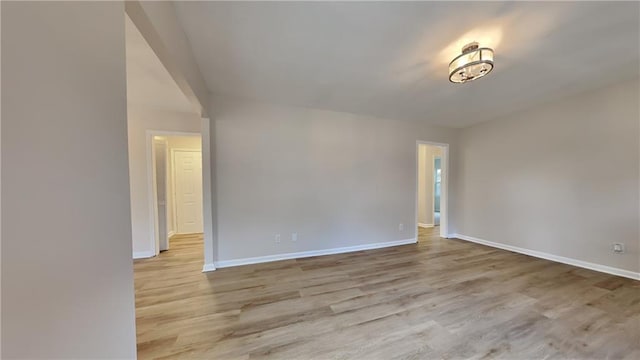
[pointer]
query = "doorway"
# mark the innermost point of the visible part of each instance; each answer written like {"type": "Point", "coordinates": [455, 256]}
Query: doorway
{"type": "Point", "coordinates": [431, 187]}
{"type": "Point", "coordinates": [177, 191]}
{"type": "Point", "coordinates": [157, 105]}
{"type": "Point", "coordinates": [437, 188]}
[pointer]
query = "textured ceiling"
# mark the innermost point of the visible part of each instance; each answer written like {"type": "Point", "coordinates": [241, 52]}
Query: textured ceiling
{"type": "Point", "coordinates": [148, 81]}
{"type": "Point", "coordinates": [389, 59]}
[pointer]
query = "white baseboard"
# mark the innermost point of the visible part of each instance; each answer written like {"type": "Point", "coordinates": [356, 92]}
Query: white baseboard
{"type": "Point", "coordinates": [143, 254]}
{"type": "Point", "coordinates": [304, 254]}
{"type": "Point", "coordinates": [425, 225]}
{"type": "Point", "coordinates": [556, 258]}
{"type": "Point", "coordinates": [208, 267]}
{"type": "Point", "coordinates": [170, 234]}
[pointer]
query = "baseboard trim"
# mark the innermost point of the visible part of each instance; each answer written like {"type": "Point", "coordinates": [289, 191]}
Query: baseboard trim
{"type": "Point", "coordinates": [143, 254]}
{"type": "Point", "coordinates": [170, 234]}
{"type": "Point", "coordinates": [551, 257]}
{"type": "Point", "coordinates": [304, 254]}
{"type": "Point", "coordinates": [208, 267]}
{"type": "Point", "coordinates": [425, 225]}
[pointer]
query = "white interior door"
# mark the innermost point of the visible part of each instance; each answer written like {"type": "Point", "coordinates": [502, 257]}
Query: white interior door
{"type": "Point", "coordinates": [188, 191]}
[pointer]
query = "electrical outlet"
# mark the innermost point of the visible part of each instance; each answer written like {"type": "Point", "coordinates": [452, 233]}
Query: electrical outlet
{"type": "Point", "coordinates": [401, 227]}
{"type": "Point", "coordinates": [617, 248]}
{"type": "Point", "coordinates": [277, 238]}
{"type": "Point", "coordinates": [294, 237]}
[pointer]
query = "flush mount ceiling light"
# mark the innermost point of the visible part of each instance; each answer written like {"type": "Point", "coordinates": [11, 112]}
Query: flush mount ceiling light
{"type": "Point", "coordinates": [474, 63]}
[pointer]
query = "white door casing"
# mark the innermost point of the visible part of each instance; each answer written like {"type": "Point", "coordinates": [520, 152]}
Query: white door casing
{"type": "Point", "coordinates": [444, 186]}
{"type": "Point", "coordinates": [208, 195]}
{"type": "Point", "coordinates": [187, 174]}
{"type": "Point", "coordinates": [160, 175]}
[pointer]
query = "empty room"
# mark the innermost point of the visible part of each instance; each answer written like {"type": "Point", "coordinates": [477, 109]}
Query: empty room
{"type": "Point", "coordinates": [320, 180]}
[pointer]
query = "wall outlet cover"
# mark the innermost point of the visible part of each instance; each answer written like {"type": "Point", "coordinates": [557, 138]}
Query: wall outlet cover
{"type": "Point", "coordinates": [617, 248]}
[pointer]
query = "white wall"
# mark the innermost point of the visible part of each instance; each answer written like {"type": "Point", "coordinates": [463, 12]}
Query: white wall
{"type": "Point", "coordinates": [336, 179]}
{"type": "Point", "coordinates": [142, 119]}
{"type": "Point", "coordinates": [209, 196]}
{"type": "Point", "coordinates": [426, 154]}
{"type": "Point", "coordinates": [0, 186]}
{"type": "Point", "coordinates": [560, 179]}
{"type": "Point", "coordinates": [67, 277]}
{"type": "Point", "coordinates": [158, 24]}
{"type": "Point", "coordinates": [177, 142]}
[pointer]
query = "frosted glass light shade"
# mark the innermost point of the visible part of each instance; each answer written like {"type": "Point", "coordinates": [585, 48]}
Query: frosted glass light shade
{"type": "Point", "coordinates": [472, 64]}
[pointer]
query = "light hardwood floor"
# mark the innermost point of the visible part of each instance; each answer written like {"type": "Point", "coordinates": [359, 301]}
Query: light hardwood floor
{"type": "Point", "coordinates": [437, 299]}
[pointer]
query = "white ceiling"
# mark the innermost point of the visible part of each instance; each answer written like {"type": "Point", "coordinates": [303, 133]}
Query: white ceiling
{"type": "Point", "coordinates": [148, 81]}
{"type": "Point", "coordinates": [389, 59]}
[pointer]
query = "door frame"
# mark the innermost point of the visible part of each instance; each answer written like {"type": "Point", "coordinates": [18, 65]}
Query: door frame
{"type": "Point", "coordinates": [433, 196]}
{"type": "Point", "coordinates": [444, 186]}
{"type": "Point", "coordinates": [206, 188]}
{"type": "Point", "coordinates": [154, 178]}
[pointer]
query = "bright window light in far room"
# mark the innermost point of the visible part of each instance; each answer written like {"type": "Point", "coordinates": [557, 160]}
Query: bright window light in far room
{"type": "Point", "coordinates": [474, 63]}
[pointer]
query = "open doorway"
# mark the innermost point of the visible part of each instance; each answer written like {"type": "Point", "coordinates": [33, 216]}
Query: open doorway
{"type": "Point", "coordinates": [431, 191]}
{"type": "Point", "coordinates": [157, 111]}
{"type": "Point", "coordinates": [177, 193]}
{"type": "Point", "coordinates": [437, 187]}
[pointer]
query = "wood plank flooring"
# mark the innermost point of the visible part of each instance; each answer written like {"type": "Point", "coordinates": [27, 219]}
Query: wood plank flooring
{"type": "Point", "coordinates": [437, 299]}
